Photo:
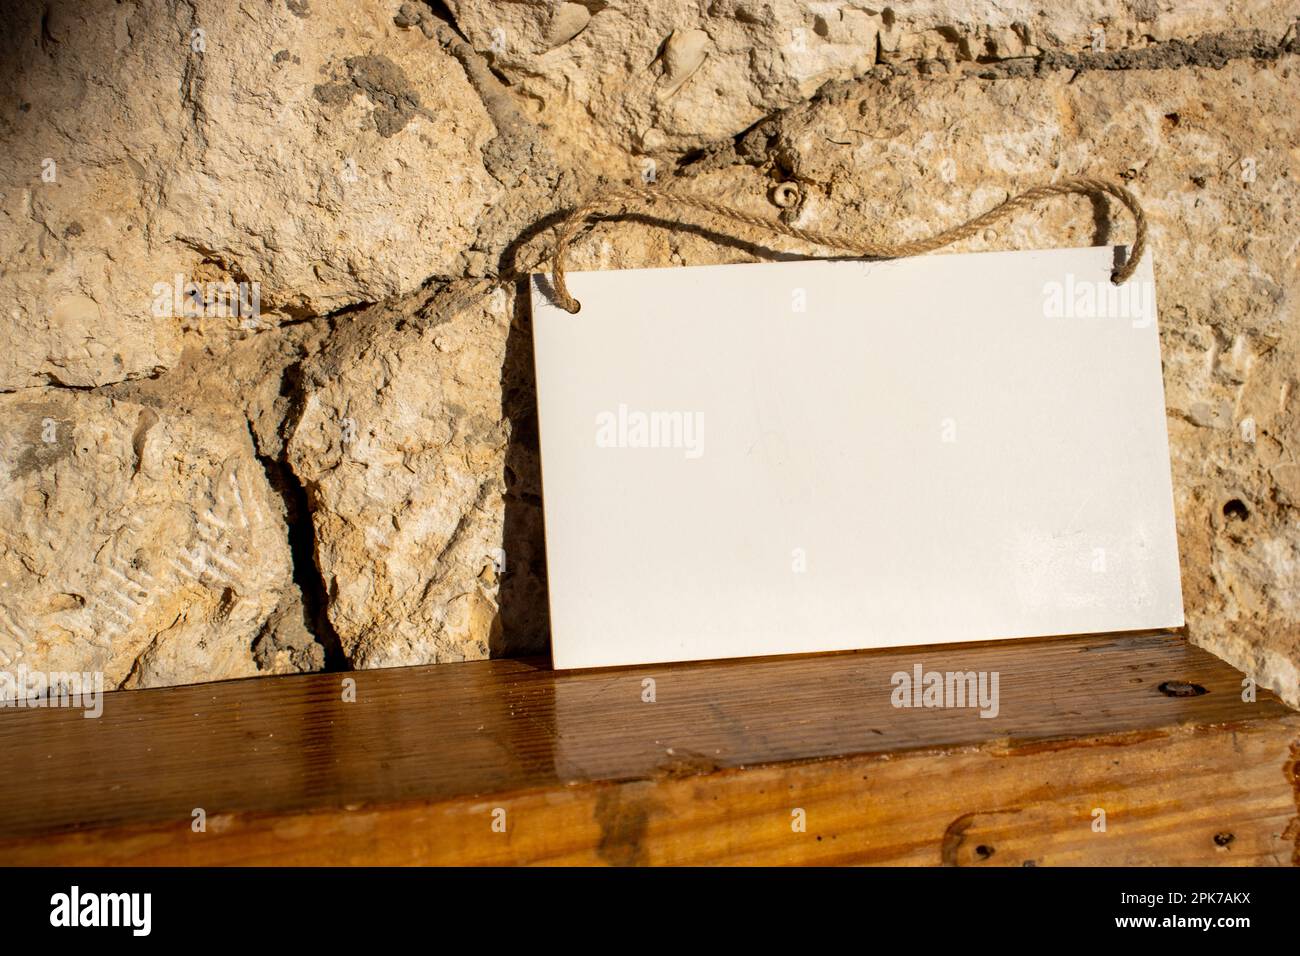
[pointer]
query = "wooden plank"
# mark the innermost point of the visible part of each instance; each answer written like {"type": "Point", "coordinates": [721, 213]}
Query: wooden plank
{"type": "Point", "coordinates": [587, 771]}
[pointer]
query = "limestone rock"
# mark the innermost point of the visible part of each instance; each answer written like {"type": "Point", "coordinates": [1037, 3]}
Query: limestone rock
{"type": "Point", "coordinates": [315, 153]}
{"type": "Point", "coordinates": [666, 76]}
{"type": "Point", "coordinates": [401, 442]}
{"type": "Point", "coordinates": [287, 644]}
{"type": "Point", "coordinates": [135, 542]}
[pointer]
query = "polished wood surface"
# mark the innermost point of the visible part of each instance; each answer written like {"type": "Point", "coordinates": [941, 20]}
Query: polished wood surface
{"type": "Point", "coordinates": [510, 762]}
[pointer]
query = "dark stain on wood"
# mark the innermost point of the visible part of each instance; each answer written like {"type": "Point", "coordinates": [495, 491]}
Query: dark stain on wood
{"type": "Point", "coordinates": [623, 825]}
{"type": "Point", "coordinates": [1292, 773]}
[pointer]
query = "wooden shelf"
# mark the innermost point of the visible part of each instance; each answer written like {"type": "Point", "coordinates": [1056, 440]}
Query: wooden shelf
{"type": "Point", "coordinates": [587, 772]}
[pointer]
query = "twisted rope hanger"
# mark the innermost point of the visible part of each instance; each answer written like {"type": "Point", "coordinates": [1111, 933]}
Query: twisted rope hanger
{"type": "Point", "coordinates": [630, 195]}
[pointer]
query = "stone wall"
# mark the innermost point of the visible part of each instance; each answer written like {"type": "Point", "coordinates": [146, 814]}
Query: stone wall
{"type": "Point", "coordinates": [266, 384]}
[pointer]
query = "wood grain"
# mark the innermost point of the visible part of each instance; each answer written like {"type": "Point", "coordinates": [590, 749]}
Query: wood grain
{"type": "Point", "coordinates": [713, 771]}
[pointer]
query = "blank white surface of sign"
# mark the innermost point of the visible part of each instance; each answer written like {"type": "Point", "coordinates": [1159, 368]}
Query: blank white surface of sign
{"type": "Point", "coordinates": [852, 455]}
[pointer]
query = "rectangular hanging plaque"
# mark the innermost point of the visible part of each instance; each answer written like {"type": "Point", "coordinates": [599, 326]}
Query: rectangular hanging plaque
{"type": "Point", "coordinates": [794, 457]}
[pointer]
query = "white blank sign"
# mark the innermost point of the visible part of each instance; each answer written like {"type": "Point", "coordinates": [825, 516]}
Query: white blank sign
{"type": "Point", "coordinates": [813, 456]}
